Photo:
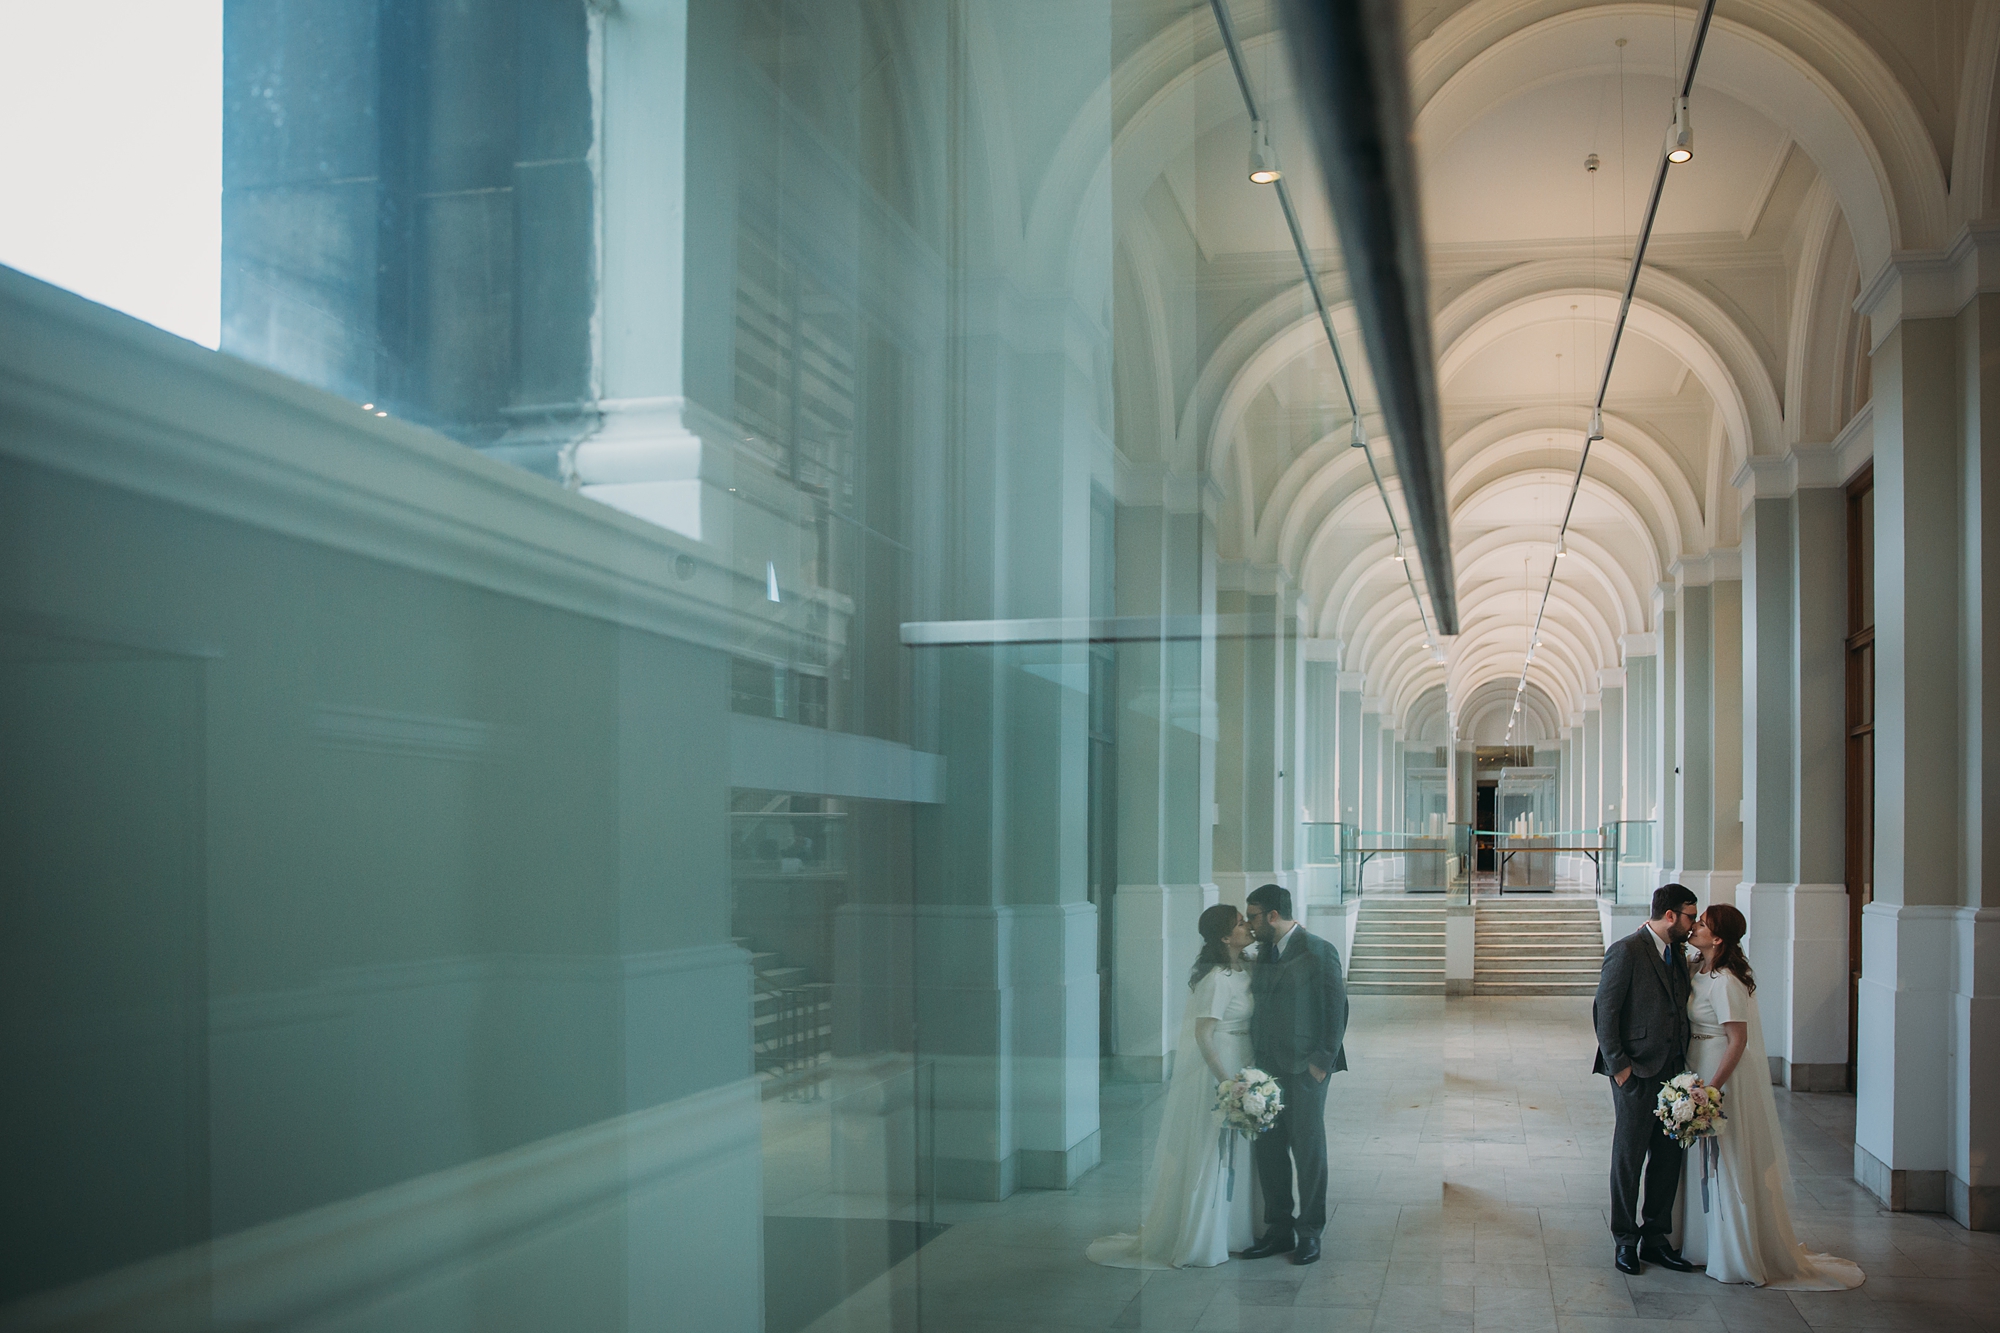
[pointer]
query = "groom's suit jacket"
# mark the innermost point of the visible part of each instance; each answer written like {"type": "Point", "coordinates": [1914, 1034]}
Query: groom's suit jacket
{"type": "Point", "coordinates": [1641, 1009]}
{"type": "Point", "coordinates": [1300, 1016]}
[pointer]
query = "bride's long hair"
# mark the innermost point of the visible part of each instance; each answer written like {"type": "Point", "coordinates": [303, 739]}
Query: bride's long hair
{"type": "Point", "coordinates": [1216, 925]}
{"type": "Point", "coordinates": [1728, 926]}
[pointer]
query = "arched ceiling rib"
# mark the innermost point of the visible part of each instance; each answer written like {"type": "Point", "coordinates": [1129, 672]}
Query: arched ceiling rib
{"type": "Point", "coordinates": [1814, 164]}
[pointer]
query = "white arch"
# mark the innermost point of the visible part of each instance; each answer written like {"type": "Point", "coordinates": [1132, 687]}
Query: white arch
{"type": "Point", "coordinates": [1793, 62]}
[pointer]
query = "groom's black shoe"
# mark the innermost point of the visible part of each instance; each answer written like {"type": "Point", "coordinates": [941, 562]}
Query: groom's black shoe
{"type": "Point", "coordinates": [1628, 1260]}
{"type": "Point", "coordinates": [1274, 1242]}
{"type": "Point", "coordinates": [1307, 1250]}
{"type": "Point", "coordinates": [1666, 1256]}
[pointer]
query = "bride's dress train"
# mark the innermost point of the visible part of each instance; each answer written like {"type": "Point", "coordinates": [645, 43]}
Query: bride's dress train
{"type": "Point", "coordinates": [1194, 1214]}
{"type": "Point", "coordinates": [1743, 1232]}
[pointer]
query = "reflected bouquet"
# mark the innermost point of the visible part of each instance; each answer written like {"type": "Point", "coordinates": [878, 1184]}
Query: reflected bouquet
{"type": "Point", "coordinates": [1689, 1108]}
{"type": "Point", "coordinates": [1250, 1102]}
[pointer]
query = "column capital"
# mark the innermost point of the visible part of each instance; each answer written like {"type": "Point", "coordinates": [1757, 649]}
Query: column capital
{"type": "Point", "coordinates": [1778, 477]}
{"type": "Point", "coordinates": [1696, 571]}
{"type": "Point", "coordinates": [1930, 284]}
{"type": "Point", "coordinates": [1353, 680]}
{"type": "Point", "coordinates": [1611, 678]}
{"type": "Point", "coordinates": [1252, 577]}
{"type": "Point", "coordinates": [1592, 703]}
{"type": "Point", "coordinates": [1371, 703]}
{"type": "Point", "coordinates": [1320, 650]}
{"type": "Point", "coordinates": [1639, 645]}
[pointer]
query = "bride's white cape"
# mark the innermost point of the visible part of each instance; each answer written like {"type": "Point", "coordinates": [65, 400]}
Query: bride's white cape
{"type": "Point", "coordinates": [1194, 1214]}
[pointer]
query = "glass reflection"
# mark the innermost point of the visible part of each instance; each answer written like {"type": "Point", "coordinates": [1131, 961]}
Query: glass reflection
{"type": "Point", "coordinates": [646, 745]}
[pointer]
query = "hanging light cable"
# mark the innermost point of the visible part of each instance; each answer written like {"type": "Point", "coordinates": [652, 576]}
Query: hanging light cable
{"type": "Point", "coordinates": [1679, 137]}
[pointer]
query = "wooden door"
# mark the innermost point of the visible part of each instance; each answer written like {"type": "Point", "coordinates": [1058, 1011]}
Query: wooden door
{"type": "Point", "coordinates": [1860, 734]}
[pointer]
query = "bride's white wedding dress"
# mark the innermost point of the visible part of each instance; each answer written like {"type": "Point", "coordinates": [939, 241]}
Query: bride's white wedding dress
{"type": "Point", "coordinates": [1194, 1216]}
{"type": "Point", "coordinates": [1744, 1232]}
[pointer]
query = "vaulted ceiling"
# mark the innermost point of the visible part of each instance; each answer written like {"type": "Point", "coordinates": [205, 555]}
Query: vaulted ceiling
{"type": "Point", "coordinates": [1826, 134]}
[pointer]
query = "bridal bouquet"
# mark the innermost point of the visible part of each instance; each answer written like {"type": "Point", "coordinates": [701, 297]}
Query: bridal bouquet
{"type": "Point", "coordinates": [1689, 1108]}
{"type": "Point", "coordinates": [1250, 1102]}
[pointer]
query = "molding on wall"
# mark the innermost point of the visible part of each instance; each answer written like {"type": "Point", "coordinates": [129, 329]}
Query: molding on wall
{"type": "Point", "coordinates": [392, 1240]}
{"type": "Point", "coordinates": [92, 393]}
{"type": "Point", "coordinates": [784, 756]}
{"type": "Point", "coordinates": [1931, 284]}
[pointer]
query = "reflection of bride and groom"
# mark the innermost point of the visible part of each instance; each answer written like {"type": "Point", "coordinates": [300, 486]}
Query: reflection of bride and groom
{"type": "Point", "coordinates": [1677, 994]}
{"type": "Point", "coordinates": [1284, 1010]}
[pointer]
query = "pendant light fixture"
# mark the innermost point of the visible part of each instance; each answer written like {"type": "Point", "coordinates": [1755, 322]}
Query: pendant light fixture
{"type": "Point", "coordinates": [1263, 162]}
{"type": "Point", "coordinates": [1680, 142]}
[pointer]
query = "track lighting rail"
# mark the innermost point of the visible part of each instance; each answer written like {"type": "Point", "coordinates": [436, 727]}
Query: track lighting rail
{"type": "Point", "coordinates": [1679, 147]}
{"type": "Point", "coordinates": [1264, 173]}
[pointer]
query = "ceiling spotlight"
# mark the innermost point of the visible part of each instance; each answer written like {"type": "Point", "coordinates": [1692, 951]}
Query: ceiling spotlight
{"type": "Point", "coordinates": [1680, 145]}
{"type": "Point", "coordinates": [1360, 440]}
{"type": "Point", "coordinates": [1562, 548]}
{"type": "Point", "coordinates": [1263, 162]}
{"type": "Point", "coordinates": [1398, 557]}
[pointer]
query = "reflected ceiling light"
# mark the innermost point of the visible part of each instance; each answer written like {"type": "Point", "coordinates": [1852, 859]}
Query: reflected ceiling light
{"type": "Point", "coordinates": [1263, 162]}
{"type": "Point", "coordinates": [1680, 143]}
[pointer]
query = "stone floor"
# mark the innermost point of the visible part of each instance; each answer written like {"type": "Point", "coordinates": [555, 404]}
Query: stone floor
{"type": "Point", "coordinates": [1469, 1143]}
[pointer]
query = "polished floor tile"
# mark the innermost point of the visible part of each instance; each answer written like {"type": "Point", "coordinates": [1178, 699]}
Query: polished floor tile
{"type": "Point", "coordinates": [1469, 1145]}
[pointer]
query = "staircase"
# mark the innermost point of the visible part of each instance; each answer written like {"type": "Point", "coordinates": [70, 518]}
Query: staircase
{"type": "Point", "coordinates": [1547, 946]}
{"type": "Point", "coordinates": [791, 1023]}
{"type": "Point", "coordinates": [1398, 948]}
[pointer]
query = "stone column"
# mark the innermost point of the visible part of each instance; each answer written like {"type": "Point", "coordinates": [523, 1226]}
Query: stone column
{"type": "Point", "coordinates": [1817, 964]}
{"type": "Point", "coordinates": [1251, 743]}
{"type": "Point", "coordinates": [1666, 732]}
{"type": "Point", "coordinates": [1371, 763]}
{"type": "Point", "coordinates": [1611, 744]}
{"type": "Point", "coordinates": [1694, 844]}
{"type": "Point", "coordinates": [667, 227]}
{"type": "Point", "coordinates": [1972, 1179]}
{"type": "Point", "coordinates": [1592, 807]}
{"type": "Point", "coordinates": [1349, 795]}
{"type": "Point", "coordinates": [1927, 1040]}
{"type": "Point", "coordinates": [1769, 743]}
{"type": "Point", "coordinates": [1726, 725]}
{"type": "Point", "coordinates": [1163, 878]}
{"type": "Point", "coordinates": [1320, 788]}
{"type": "Point", "coordinates": [1641, 761]}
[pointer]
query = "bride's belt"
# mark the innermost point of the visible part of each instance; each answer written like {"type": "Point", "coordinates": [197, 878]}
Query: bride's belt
{"type": "Point", "coordinates": [1699, 1035]}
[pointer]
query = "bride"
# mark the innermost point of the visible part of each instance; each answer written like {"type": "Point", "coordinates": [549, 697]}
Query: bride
{"type": "Point", "coordinates": [1197, 1214]}
{"type": "Point", "coordinates": [1742, 1228]}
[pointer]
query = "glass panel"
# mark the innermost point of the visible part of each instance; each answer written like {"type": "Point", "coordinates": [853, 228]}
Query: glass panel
{"type": "Point", "coordinates": [645, 741]}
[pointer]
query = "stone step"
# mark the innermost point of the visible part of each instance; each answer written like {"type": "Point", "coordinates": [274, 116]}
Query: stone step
{"type": "Point", "coordinates": [1541, 973]}
{"type": "Point", "coordinates": [1530, 988]}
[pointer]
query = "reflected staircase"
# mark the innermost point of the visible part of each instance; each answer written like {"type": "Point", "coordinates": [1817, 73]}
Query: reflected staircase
{"type": "Point", "coordinates": [1398, 948]}
{"type": "Point", "coordinates": [791, 1023]}
{"type": "Point", "coordinates": [1546, 946]}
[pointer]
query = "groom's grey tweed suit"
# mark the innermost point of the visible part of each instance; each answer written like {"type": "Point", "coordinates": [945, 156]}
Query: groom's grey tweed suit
{"type": "Point", "coordinates": [1641, 1013]}
{"type": "Point", "coordinates": [1300, 1020]}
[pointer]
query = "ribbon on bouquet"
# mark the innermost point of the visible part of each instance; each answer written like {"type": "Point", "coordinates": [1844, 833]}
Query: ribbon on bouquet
{"type": "Point", "coordinates": [1225, 1161]}
{"type": "Point", "coordinates": [1709, 1158]}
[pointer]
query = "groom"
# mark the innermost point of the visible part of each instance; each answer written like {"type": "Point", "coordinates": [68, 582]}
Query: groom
{"type": "Point", "coordinates": [1296, 1030]}
{"type": "Point", "coordinates": [1641, 1013]}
